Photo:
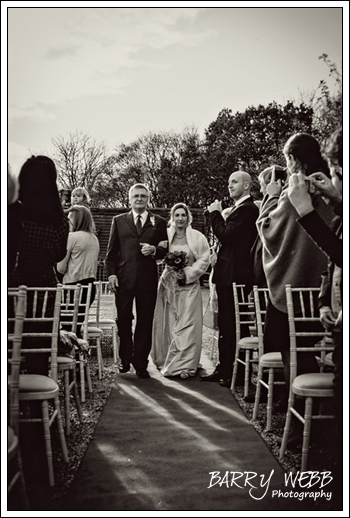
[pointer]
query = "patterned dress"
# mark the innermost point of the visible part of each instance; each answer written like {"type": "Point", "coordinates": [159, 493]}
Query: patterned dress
{"type": "Point", "coordinates": [40, 248]}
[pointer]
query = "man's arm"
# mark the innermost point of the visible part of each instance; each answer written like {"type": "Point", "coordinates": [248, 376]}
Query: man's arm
{"type": "Point", "coordinates": [235, 224]}
{"type": "Point", "coordinates": [323, 236]}
{"type": "Point", "coordinates": [161, 251]}
{"type": "Point", "coordinates": [112, 256]}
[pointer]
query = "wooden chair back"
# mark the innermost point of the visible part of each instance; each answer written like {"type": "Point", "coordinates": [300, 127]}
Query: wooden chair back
{"type": "Point", "coordinates": [107, 300]}
{"type": "Point", "coordinates": [75, 307]}
{"type": "Point", "coordinates": [305, 300]}
{"type": "Point", "coordinates": [94, 311]}
{"type": "Point", "coordinates": [244, 310]}
{"type": "Point", "coordinates": [70, 306]}
{"type": "Point", "coordinates": [43, 306]}
{"type": "Point", "coordinates": [17, 300]}
{"type": "Point", "coordinates": [261, 297]}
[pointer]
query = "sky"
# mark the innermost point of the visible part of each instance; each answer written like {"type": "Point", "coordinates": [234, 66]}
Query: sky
{"type": "Point", "coordinates": [116, 73]}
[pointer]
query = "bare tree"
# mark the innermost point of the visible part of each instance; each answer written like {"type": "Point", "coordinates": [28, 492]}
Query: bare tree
{"type": "Point", "coordinates": [80, 160]}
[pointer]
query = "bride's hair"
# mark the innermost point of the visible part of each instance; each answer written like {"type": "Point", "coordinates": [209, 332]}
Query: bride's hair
{"type": "Point", "coordinates": [185, 208]}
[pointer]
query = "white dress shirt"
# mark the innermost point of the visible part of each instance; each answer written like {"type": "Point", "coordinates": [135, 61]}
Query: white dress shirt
{"type": "Point", "coordinates": [143, 218]}
{"type": "Point", "coordinates": [238, 202]}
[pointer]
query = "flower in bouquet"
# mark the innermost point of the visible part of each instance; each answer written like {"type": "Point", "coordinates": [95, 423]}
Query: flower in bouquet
{"type": "Point", "coordinates": [176, 261]}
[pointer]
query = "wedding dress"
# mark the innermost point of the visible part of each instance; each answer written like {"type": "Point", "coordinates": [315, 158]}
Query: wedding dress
{"type": "Point", "coordinates": [177, 324]}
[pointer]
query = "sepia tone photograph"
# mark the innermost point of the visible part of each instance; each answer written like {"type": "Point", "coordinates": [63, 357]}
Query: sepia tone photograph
{"type": "Point", "coordinates": [174, 258]}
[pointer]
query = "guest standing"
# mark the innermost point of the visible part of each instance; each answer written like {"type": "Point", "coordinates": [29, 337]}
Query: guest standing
{"type": "Point", "coordinates": [236, 236]}
{"type": "Point", "coordinates": [80, 196]}
{"type": "Point", "coordinates": [42, 243]}
{"type": "Point", "coordinates": [331, 243]}
{"type": "Point", "coordinates": [80, 263]}
{"type": "Point", "coordinates": [256, 251]}
{"type": "Point", "coordinates": [178, 320]}
{"type": "Point", "coordinates": [14, 221]}
{"type": "Point", "coordinates": [288, 253]}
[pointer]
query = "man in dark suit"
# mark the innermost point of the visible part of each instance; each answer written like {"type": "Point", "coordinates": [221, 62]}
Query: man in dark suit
{"type": "Point", "coordinates": [236, 237]}
{"type": "Point", "coordinates": [133, 275]}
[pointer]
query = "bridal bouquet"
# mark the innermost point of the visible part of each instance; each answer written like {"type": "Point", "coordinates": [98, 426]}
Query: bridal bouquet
{"type": "Point", "coordinates": [176, 261]}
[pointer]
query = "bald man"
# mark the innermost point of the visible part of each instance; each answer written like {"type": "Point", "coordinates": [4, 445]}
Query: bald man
{"type": "Point", "coordinates": [236, 237]}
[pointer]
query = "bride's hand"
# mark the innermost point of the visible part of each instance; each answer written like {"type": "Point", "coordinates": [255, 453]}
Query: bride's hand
{"type": "Point", "coordinates": [180, 274]}
{"type": "Point", "coordinates": [163, 244]}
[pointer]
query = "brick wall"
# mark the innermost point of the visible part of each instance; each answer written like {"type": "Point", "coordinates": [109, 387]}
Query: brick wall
{"type": "Point", "coordinates": [103, 221]}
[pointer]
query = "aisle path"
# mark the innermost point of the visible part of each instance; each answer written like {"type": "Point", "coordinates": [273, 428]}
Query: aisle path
{"type": "Point", "coordinates": [157, 442]}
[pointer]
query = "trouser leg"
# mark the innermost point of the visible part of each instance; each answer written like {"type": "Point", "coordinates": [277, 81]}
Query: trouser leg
{"type": "Point", "coordinates": [145, 304]}
{"type": "Point", "coordinates": [124, 301]}
{"type": "Point", "coordinates": [227, 331]}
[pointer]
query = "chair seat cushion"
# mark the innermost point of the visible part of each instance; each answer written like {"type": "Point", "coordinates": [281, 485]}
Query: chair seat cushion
{"type": "Point", "coordinates": [95, 331]}
{"type": "Point", "coordinates": [61, 360]}
{"type": "Point", "coordinates": [314, 381]}
{"type": "Point", "coordinates": [272, 359]}
{"type": "Point", "coordinates": [248, 342]}
{"type": "Point", "coordinates": [36, 383]}
{"type": "Point", "coordinates": [108, 322]}
{"type": "Point", "coordinates": [102, 322]}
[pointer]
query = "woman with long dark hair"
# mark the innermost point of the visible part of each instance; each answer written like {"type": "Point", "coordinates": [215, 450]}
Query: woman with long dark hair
{"type": "Point", "coordinates": [43, 239]}
{"type": "Point", "coordinates": [44, 226]}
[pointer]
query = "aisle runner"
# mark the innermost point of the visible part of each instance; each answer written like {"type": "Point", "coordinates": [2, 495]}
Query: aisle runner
{"type": "Point", "coordinates": [157, 442]}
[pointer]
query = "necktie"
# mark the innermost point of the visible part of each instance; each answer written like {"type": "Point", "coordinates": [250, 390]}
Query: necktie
{"type": "Point", "coordinates": [138, 224]}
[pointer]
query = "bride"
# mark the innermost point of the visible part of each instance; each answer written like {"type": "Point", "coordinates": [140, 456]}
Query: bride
{"type": "Point", "coordinates": [177, 324]}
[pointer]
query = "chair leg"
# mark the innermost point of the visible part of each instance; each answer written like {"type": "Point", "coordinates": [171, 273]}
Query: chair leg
{"type": "Point", "coordinates": [47, 439]}
{"type": "Point", "coordinates": [99, 358]}
{"type": "Point", "coordinates": [60, 430]}
{"type": "Point", "coordinates": [235, 368]}
{"type": "Point", "coordinates": [287, 426]}
{"type": "Point", "coordinates": [257, 392]}
{"type": "Point", "coordinates": [82, 377]}
{"type": "Point", "coordinates": [67, 400]}
{"type": "Point", "coordinates": [21, 483]}
{"type": "Point", "coordinates": [246, 372]}
{"type": "Point", "coordinates": [76, 394]}
{"type": "Point", "coordinates": [115, 344]}
{"type": "Point", "coordinates": [307, 433]}
{"type": "Point", "coordinates": [88, 376]}
{"type": "Point", "coordinates": [269, 399]}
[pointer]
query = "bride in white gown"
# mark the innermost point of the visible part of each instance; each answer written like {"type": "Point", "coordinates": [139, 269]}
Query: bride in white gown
{"type": "Point", "coordinates": [177, 323]}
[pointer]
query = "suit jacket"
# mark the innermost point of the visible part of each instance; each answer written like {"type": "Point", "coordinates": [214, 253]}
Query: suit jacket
{"type": "Point", "coordinates": [124, 258]}
{"type": "Point", "coordinates": [236, 238]}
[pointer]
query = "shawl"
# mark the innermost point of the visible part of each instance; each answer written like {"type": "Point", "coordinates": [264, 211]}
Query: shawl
{"type": "Point", "coordinates": [200, 249]}
{"type": "Point", "coordinates": [289, 255]}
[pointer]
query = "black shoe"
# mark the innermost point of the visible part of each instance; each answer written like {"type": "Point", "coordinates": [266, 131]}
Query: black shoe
{"type": "Point", "coordinates": [210, 377]}
{"type": "Point", "coordinates": [125, 367]}
{"type": "Point", "coordinates": [251, 399]}
{"type": "Point", "coordinates": [225, 383]}
{"type": "Point", "coordinates": [143, 374]}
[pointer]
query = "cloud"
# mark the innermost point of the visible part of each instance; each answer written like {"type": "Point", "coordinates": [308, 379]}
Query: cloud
{"type": "Point", "coordinates": [29, 112]}
{"type": "Point", "coordinates": [59, 54]}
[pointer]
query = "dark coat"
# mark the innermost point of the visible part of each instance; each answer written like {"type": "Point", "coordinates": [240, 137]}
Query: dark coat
{"type": "Point", "coordinates": [124, 258]}
{"type": "Point", "coordinates": [236, 237]}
